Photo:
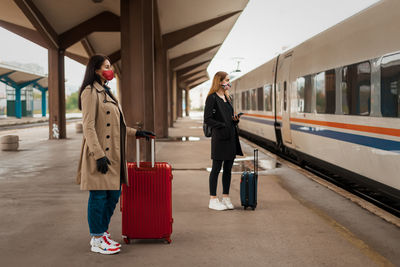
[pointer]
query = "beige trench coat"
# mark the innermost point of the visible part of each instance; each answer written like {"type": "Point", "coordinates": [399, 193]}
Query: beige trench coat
{"type": "Point", "coordinates": [102, 133]}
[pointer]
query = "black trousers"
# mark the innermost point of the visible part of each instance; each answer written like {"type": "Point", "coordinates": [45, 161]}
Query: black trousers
{"type": "Point", "coordinates": [226, 176]}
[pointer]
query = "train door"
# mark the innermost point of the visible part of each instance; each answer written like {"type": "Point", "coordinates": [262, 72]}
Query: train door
{"type": "Point", "coordinates": [286, 134]}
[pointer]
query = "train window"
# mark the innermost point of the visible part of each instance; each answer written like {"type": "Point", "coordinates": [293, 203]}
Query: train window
{"type": "Point", "coordinates": [356, 89]}
{"type": "Point", "coordinates": [278, 101]}
{"type": "Point", "coordinates": [325, 92]}
{"type": "Point", "coordinates": [253, 100]}
{"type": "Point", "coordinates": [390, 86]}
{"type": "Point", "coordinates": [304, 94]}
{"type": "Point", "coordinates": [260, 98]}
{"type": "Point", "coordinates": [268, 97]}
{"type": "Point", "coordinates": [243, 100]}
{"type": "Point", "coordinates": [247, 100]}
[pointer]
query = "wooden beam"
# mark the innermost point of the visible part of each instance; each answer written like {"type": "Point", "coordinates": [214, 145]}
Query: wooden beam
{"type": "Point", "coordinates": [103, 22]}
{"type": "Point", "coordinates": [26, 33]}
{"type": "Point", "coordinates": [137, 61]}
{"type": "Point", "coordinates": [185, 70]}
{"type": "Point", "coordinates": [187, 102]}
{"type": "Point", "coordinates": [188, 76]}
{"type": "Point", "coordinates": [196, 84]}
{"type": "Point", "coordinates": [174, 38]}
{"type": "Point", "coordinates": [177, 61]}
{"type": "Point", "coordinates": [188, 82]}
{"type": "Point", "coordinates": [40, 23]}
{"type": "Point", "coordinates": [88, 47]}
{"type": "Point", "coordinates": [160, 80]}
{"type": "Point", "coordinates": [57, 120]}
{"type": "Point", "coordinates": [114, 57]}
{"type": "Point", "coordinates": [79, 58]}
{"type": "Point", "coordinates": [199, 75]}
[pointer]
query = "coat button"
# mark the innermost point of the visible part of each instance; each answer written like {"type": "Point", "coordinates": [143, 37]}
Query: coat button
{"type": "Point", "coordinates": [107, 149]}
{"type": "Point", "coordinates": [108, 112]}
{"type": "Point", "coordinates": [108, 136]}
{"type": "Point", "coordinates": [104, 101]}
{"type": "Point", "coordinates": [108, 125]}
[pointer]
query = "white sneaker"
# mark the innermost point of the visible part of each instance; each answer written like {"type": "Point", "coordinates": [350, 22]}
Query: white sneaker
{"type": "Point", "coordinates": [101, 245]}
{"type": "Point", "coordinates": [114, 243]}
{"type": "Point", "coordinates": [215, 204]}
{"type": "Point", "coordinates": [227, 202]}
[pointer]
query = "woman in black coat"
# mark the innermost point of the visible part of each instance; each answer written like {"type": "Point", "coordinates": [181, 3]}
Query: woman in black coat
{"type": "Point", "coordinates": [225, 145]}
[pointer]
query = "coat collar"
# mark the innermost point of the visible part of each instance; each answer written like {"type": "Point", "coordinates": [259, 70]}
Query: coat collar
{"type": "Point", "coordinates": [101, 89]}
{"type": "Point", "coordinates": [98, 86]}
{"type": "Point", "coordinates": [228, 100]}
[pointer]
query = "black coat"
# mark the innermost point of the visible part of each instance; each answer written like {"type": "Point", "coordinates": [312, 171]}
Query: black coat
{"type": "Point", "coordinates": [225, 143]}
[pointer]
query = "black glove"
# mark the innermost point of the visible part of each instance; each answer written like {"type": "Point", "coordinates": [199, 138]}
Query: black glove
{"type": "Point", "coordinates": [102, 164]}
{"type": "Point", "coordinates": [146, 134]}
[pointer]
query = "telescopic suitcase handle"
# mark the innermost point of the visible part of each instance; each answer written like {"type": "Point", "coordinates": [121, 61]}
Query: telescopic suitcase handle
{"type": "Point", "coordinates": [138, 151]}
{"type": "Point", "coordinates": [256, 161]}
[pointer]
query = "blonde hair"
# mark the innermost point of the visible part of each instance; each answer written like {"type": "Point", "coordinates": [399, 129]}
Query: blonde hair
{"type": "Point", "coordinates": [215, 86]}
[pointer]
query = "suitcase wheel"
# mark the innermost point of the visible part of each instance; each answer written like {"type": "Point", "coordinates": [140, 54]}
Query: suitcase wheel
{"type": "Point", "coordinates": [245, 207]}
{"type": "Point", "coordinates": [253, 208]}
{"type": "Point", "coordinates": [127, 240]}
{"type": "Point", "coordinates": [167, 240]}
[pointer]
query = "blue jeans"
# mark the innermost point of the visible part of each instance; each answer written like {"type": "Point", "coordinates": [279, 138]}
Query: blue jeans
{"type": "Point", "coordinates": [101, 207]}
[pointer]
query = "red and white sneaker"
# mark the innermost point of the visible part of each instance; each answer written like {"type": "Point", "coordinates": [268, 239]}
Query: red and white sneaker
{"type": "Point", "coordinates": [101, 245]}
{"type": "Point", "coordinates": [114, 243]}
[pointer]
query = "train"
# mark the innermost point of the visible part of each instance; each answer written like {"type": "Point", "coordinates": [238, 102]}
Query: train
{"type": "Point", "coordinates": [333, 101]}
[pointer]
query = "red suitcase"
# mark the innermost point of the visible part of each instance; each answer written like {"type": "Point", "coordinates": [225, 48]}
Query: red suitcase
{"type": "Point", "coordinates": [146, 203]}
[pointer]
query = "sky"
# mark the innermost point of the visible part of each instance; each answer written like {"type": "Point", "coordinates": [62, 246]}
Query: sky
{"type": "Point", "coordinates": [264, 28]}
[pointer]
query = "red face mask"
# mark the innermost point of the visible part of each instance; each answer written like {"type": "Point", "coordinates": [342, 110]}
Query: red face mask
{"type": "Point", "coordinates": [108, 74]}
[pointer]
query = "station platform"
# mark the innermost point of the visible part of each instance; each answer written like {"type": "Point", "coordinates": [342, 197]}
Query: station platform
{"type": "Point", "coordinates": [298, 222]}
{"type": "Point", "coordinates": [12, 121]}
{"type": "Point", "coordinates": [7, 123]}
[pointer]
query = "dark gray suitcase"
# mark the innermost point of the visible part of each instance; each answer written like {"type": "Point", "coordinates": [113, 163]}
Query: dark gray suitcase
{"type": "Point", "coordinates": [248, 185]}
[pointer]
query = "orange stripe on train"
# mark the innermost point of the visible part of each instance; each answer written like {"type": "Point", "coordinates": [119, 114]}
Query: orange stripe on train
{"type": "Point", "coordinates": [355, 127]}
{"type": "Point", "coordinates": [263, 116]}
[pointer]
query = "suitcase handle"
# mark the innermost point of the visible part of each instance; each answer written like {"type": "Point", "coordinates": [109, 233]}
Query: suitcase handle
{"type": "Point", "coordinates": [256, 161]}
{"type": "Point", "coordinates": [138, 152]}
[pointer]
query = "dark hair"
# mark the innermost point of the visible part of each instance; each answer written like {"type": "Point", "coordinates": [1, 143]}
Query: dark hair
{"type": "Point", "coordinates": [95, 63]}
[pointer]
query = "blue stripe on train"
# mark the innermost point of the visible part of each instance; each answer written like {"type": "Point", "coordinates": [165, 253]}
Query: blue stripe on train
{"type": "Point", "coordinates": [383, 144]}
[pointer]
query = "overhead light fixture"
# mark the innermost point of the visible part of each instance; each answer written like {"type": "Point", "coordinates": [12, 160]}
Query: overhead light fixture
{"type": "Point", "coordinates": [238, 60]}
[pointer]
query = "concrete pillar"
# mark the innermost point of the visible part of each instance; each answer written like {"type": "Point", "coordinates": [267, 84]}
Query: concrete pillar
{"type": "Point", "coordinates": [44, 108]}
{"type": "Point", "coordinates": [137, 59]}
{"type": "Point", "coordinates": [187, 102]}
{"type": "Point", "coordinates": [56, 88]}
{"type": "Point", "coordinates": [174, 98]}
{"type": "Point", "coordinates": [161, 94]}
{"type": "Point", "coordinates": [179, 102]}
{"type": "Point", "coordinates": [161, 82]}
{"type": "Point", "coordinates": [18, 103]}
{"type": "Point", "coordinates": [169, 90]}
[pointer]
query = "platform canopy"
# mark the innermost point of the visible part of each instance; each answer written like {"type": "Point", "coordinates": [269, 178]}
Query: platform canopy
{"type": "Point", "coordinates": [20, 78]}
{"type": "Point", "coordinates": [192, 30]}
{"type": "Point", "coordinates": [159, 48]}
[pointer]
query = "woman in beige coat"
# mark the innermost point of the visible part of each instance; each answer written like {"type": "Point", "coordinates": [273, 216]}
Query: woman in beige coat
{"type": "Point", "coordinates": [102, 165]}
